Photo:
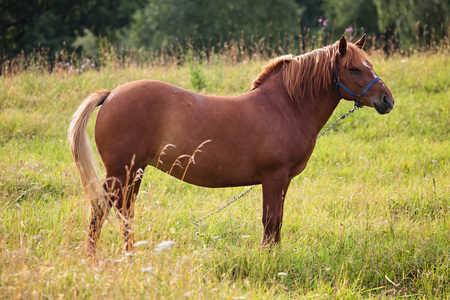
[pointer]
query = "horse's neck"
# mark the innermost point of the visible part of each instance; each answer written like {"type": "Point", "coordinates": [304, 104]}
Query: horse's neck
{"type": "Point", "coordinates": [319, 110]}
{"type": "Point", "coordinates": [314, 112]}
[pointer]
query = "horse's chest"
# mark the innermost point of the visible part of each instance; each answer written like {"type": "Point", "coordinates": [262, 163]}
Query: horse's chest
{"type": "Point", "coordinates": [301, 159]}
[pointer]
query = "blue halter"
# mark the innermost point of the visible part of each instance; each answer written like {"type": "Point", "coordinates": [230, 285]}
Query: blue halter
{"type": "Point", "coordinates": [359, 97]}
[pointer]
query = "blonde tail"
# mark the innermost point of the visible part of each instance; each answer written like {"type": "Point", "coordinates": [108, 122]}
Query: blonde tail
{"type": "Point", "coordinates": [82, 151]}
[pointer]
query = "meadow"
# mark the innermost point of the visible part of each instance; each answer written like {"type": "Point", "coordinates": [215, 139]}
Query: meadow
{"type": "Point", "coordinates": [368, 218]}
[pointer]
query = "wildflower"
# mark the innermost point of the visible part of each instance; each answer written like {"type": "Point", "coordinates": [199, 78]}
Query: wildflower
{"type": "Point", "coordinates": [349, 29]}
{"type": "Point", "coordinates": [82, 66]}
{"type": "Point", "coordinates": [320, 20]}
{"type": "Point", "coordinates": [189, 294]}
{"type": "Point", "coordinates": [166, 245]}
{"type": "Point", "coordinates": [39, 238]}
{"type": "Point", "coordinates": [147, 270]}
{"type": "Point", "coordinates": [325, 22]}
{"type": "Point", "coordinates": [78, 70]}
{"type": "Point", "coordinates": [120, 260]}
{"type": "Point", "coordinates": [140, 243]}
{"type": "Point", "coordinates": [92, 65]}
{"type": "Point", "coordinates": [282, 274]}
{"type": "Point", "coordinates": [88, 60]}
{"type": "Point", "coordinates": [68, 64]}
{"type": "Point", "coordinates": [70, 70]}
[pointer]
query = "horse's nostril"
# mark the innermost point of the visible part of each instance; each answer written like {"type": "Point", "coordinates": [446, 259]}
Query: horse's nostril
{"type": "Point", "coordinates": [386, 100]}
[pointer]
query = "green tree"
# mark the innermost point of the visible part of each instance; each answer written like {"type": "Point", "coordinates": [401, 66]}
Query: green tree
{"type": "Point", "coordinates": [351, 13]}
{"type": "Point", "coordinates": [163, 22]}
{"type": "Point", "coordinates": [25, 25]}
{"type": "Point", "coordinates": [312, 11]}
{"type": "Point", "coordinates": [411, 19]}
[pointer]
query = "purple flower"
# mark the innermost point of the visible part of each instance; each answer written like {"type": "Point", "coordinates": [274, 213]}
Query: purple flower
{"type": "Point", "coordinates": [88, 60]}
{"type": "Point", "coordinates": [320, 20]}
{"type": "Point", "coordinates": [349, 29]}
{"type": "Point", "coordinates": [68, 64]}
{"type": "Point", "coordinates": [70, 69]}
{"type": "Point", "coordinates": [82, 66]}
{"type": "Point", "coordinates": [325, 22]}
{"type": "Point", "coordinates": [78, 70]}
{"type": "Point", "coordinates": [92, 65]}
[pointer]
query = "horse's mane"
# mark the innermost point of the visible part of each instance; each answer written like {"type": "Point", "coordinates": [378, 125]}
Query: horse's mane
{"type": "Point", "coordinates": [305, 75]}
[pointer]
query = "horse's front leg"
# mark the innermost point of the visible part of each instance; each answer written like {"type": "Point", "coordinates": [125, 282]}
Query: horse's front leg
{"type": "Point", "coordinates": [274, 192]}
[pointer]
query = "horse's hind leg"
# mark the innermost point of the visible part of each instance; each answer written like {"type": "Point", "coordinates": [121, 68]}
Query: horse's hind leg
{"type": "Point", "coordinates": [124, 203]}
{"type": "Point", "coordinates": [100, 212]}
{"type": "Point", "coordinates": [98, 217]}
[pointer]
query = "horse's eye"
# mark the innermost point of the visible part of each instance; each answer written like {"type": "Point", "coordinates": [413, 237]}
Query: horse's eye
{"type": "Point", "coordinates": [354, 69]}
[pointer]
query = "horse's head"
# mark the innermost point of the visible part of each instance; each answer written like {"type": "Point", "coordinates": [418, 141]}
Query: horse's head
{"type": "Point", "coordinates": [356, 80]}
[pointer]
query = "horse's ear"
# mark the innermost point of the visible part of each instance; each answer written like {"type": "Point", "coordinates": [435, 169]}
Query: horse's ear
{"type": "Point", "coordinates": [360, 43]}
{"type": "Point", "coordinates": [342, 46]}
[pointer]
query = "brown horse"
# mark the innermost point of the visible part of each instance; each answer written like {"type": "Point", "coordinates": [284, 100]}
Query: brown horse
{"type": "Point", "coordinates": [265, 136]}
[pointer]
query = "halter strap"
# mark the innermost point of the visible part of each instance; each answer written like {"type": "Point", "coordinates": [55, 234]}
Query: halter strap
{"type": "Point", "coordinates": [338, 83]}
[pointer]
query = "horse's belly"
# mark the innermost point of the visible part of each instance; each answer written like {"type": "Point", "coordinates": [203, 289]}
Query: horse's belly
{"type": "Point", "coordinates": [208, 169]}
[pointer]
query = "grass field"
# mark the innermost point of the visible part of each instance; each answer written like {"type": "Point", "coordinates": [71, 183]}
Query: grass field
{"type": "Point", "coordinates": [369, 217]}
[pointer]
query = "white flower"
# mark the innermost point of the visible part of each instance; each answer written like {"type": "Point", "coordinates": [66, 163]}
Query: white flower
{"type": "Point", "coordinates": [166, 245]}
{"type": "Point", "coordinates": [147, 270]}
{"type": "Point", "coordinates": [189, 294]}
{"type": "Point", "coordinates": [282, 274]}
{"type": "Point", "coordinates": [140, 243]}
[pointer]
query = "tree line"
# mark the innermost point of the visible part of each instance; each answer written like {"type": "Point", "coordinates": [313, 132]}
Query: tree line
{"type": "Point", "coordinates": [153, 24]}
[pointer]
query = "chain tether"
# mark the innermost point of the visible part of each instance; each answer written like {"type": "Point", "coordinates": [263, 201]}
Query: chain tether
{"type": "Point", "coordinates": [355, 108]}
{"type": "Point", "coordinates": [244, 192]}
{"type": "Point", "coordinates": [247, 190]}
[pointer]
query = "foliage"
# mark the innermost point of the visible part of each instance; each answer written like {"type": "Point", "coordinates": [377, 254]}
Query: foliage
{"type": "Point", "coordinates": [312, 11]}
{"type": "Point", "coordinates": [352, 13]}
{"type": "Point", "coordinates": [164, 22]}
{"type": "Point", "coordinates": [414, 20]}
{"type": "Point", "coordinates": [368, 218]}
{"type": "Point", "coordinates": [31, 24]}
{"type": "Point", "coordinates": [157, 25]}
{"type": "Point", "coordinates": [198, 80]}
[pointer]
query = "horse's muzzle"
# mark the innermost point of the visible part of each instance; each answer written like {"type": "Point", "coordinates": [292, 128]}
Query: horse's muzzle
{"type": "Point", "coordinates": [386, 105]}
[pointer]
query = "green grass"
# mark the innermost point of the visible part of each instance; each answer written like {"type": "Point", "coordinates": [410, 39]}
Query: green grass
{"type": "Point", "coordinates": [369, 217]}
